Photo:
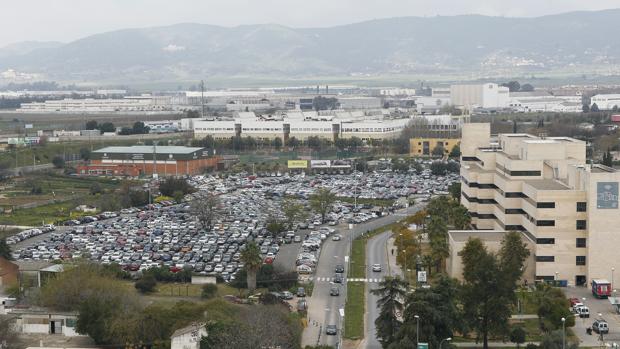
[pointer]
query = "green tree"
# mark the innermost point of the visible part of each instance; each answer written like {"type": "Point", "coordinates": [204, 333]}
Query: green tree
{"type": "Point", "coordinates": [455, 152]}
{"type": "Point", "coordinates": [58, 161]}
{"type": "Point", "coordinates": [517, 335]}
{"type": "Point", "coordinates": [438, 151]}
{"type": "Point", "coordinates": [274, 226]}
{"type": "Point", "coordinates": [438, 311]}
{"type": "Point", "coordinates": [455, 190]}
{"type": "Point", "coordinates": [85, 154]}
{"type": "Point", "coordinates": [551, 306]}
{"type": "Point", "coordinates": [91, 125]}
{"type": "Point", "coordinates": [490, 283]}
{"type": "Point", "coordinates": [459, 217]}
{"type": "Point", "coordinates": [484, 293]}
{"type": "Point", "coordinates": [513, 86]}
{"type": "Point", "coordinates": [277, 143]}
{"type": "Point", "coordinates": [292, 142]}
{"type": "Point", "coordinates": [438, 240]}
{"type": "Point", "coordinates": [178, 196]}
{"type": "Point", "coordinates": [139, 128]}
{"type": "Point", "coordinates": [314, 142]}
{"type": "Point", "coordinates": [252, 260]}
{"type": "Point", "coordinates": [293, 212]}
{"type": "Point", "coordinates": [94, 318]}
{"type": "Point", "coordinates": [322, 201]}
{"type": "Point", "coordinates": [107, 127]}
{"type": "Point", "coordinates": [585, 108]}
{"type": "Point", "coordinates": [391, 292]}
{"type": "Point", "coordinates": [171, 184]}
{"type": "Point", "coordinates": [5, 250]}
{"type": "Point", "coordinates": [438, 168]}
{"type": "Point", "coordinates": [527, 88]}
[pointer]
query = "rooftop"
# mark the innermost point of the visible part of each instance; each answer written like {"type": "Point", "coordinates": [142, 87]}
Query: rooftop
{"type": "Point", "coordinates": [546, 184]}
{"type": "Point", "coordinates": [144, 149]}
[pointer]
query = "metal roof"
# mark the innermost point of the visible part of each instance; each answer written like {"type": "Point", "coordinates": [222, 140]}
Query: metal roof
{"type": "Point", "coordinates": [148, 149]}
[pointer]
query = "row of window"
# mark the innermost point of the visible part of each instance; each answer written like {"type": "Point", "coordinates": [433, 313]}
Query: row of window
{"type": "Point", "coordinates": [579, 242]}
{"type": "Point", "coordinates": [579, 260]}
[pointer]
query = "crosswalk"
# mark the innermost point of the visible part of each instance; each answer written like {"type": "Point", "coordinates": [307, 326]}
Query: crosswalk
{"type": "Point", "coordinates": [328, 279]}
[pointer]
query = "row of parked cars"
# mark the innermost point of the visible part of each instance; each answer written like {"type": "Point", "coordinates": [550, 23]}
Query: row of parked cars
{"type": "Point", "coordinates": [29, 233]}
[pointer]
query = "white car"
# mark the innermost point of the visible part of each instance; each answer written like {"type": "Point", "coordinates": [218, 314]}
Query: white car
{"type": "Point", "coordinates": [336, 237]}
{"type": "Point", "coordinates": [376, 267]}
{"type": "Point", "coordinates": [304, 269]}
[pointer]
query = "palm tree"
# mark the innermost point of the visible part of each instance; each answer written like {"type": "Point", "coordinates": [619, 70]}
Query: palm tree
{"type": "Point", "coordinates": [252, 260]}
{"type": "Point", "coordinates": [392, 291]}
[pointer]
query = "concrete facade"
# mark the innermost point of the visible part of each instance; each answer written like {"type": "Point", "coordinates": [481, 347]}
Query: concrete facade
{"type": "Point", "coordinates": [544, 188]}
{"type": "Point", "coordinates": [425, 146]}
{"type": "Point", "coordinates": [482, 95]}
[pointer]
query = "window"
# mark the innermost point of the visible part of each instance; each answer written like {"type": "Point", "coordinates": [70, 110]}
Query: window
{"type": "Point", "coordinates": [580, 242]}
{"type": "Point", "coordinates": [580, 260]}
{"type": "Point", "coordinates": [514, 211]}
{"type": "Point", "coordinates": [545, 241]}
{"type": "Point", "coordinates": [545, 223]}
{"type": "Point", "coordinates": [581, 207]}
{"type": "Point", "coordinates": [525, 173]}
{"type": "Point", "coordinates": [545, 258]}
{"type": "Point", "coordinates": [581, 224]}
{"type": "Point", "coordinates": [545, 205]}
{"type": "Point", "coordinates": [515, 195]}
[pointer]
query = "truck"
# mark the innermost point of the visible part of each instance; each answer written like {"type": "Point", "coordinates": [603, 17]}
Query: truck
{"type": "Point", "coordinates": [601, 288]}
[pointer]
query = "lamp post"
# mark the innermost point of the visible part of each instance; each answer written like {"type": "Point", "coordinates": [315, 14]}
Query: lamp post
{"type": "Point", "coordinates": [417, 330]}
{"type": "Point", "coordinates": [612, 276]}
{"type": "Point", "coordinates": [563, 333]}
{"type": "Point", "coordinates": [444, 340]}
{"type": "Point", "coordinates": [405, 266]}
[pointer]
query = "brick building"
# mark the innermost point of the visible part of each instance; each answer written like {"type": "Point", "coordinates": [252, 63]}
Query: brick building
{"type": "Point", "coordinates": [146, 160]}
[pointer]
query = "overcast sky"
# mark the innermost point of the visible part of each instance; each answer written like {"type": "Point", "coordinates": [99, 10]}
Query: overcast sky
{"type": "Point", "coordinates": [67, 20]}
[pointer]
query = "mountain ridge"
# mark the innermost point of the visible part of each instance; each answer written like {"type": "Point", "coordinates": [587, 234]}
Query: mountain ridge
{"type": "Point", "coordinates": [400, 45]}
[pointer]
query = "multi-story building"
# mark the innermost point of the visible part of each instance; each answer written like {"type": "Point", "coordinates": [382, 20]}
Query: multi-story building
{"type": "Point", "coordinates": [543, 187]}
{"type": "Point", "coordinates": [482, 95]}
{"type": "Point", "coordinates": [426, 146]}
{"type": "Point", "coordinates": [145, 103]}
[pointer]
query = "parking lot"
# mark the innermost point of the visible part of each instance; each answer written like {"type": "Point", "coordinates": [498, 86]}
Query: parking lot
{"type": "Point", "coordinates": [599, 309]}
{"type": "Point", "coordinates": [169, 234]}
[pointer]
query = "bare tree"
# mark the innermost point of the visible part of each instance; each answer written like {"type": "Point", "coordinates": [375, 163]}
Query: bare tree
{"type": "Point", "coordinates": [205, 208]}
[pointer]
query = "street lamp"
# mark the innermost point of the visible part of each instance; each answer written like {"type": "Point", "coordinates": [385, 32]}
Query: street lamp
{"type": "Point", "coordinates": [417, 330]}
{"type": "Point", "coordinates": [563, 333]}
{"type": "Point", "coordinates": [444, 340]}
{"type": "Point", "coordinates": [405, 266]}
{"type": "Point", "coordinates": [612, 276]}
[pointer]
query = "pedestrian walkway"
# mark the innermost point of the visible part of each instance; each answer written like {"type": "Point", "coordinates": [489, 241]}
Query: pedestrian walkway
{"type": "Point", "coordinates": [393, 267]}
{"type": "Point", "coordinates": [329, 279]}
{"type": "Point", "coordinates": [491, 344]}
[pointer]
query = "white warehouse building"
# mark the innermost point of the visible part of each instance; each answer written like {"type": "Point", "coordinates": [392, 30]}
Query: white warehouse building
{"type": "Point", "coordinates": [488, 95]}
{"type": "Point", "coordinates": [606, 102]}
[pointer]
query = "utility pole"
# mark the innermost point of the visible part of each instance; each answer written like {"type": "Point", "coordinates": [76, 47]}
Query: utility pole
{"type": "Point", "coordinates": [202, 98]}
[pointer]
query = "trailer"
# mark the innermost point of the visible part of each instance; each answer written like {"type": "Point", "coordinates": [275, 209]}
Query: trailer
{"type": "Point", "coordinates": [601, 288]}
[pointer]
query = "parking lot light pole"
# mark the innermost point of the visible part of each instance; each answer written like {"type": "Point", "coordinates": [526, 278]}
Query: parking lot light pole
{"type": "Point", "coordinates": [612, 277]}
{"type": "Point", "coordinates": [563, 333]}
{"type": "Point", "coordinates": [417, 330]}
{"type": "Point", "coordinates": [444, 340]}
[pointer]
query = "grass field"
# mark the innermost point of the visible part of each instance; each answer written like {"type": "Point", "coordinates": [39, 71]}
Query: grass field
{"type": "Point", "coordinates": [354, 310]}
{"type": "Point", "coordinates": [59, 195]}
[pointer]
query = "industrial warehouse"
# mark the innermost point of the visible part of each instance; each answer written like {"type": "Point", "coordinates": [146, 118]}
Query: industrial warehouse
{"type": "Point", "coordinates": [140, 160]}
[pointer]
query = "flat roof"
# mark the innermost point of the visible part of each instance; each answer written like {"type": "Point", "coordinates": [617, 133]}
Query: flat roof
{"type": "Point", "coordinates": [144, 149]}
{"type": "Point", "coordinates": [484, 235]}
{"type": "Point", "coordinates": [546, 184]}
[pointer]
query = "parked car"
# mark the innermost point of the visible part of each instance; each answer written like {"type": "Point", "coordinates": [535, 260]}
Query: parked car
{"type": "Point", "coordinates": [331, 330]}
{"type": "Point", "coordinates": [301, 292]}
{"type": "Point", "coordinates": [600, 326]}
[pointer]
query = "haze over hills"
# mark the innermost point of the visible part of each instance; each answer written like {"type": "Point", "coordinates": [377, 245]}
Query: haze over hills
{"type": "Point", "coordinates": [408, 45]}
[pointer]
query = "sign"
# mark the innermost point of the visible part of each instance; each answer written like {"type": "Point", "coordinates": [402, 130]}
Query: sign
{"type": "Point", "coordinates": [422, 276]}
{"type": "Point", "coordinates": [32, 140]}
{"type": "Point", "coordinates": [422, 345]}
{"type": "Point", "coordinates": [320, 163]}
{"type": "Point", "coordinates": [28, 126]}
{"type": "Point", "coordinates": [607, 195]}
{"type": "Point", "coordinates": [341, 164]}
{"type": "Point", "coordinates": [298, 164]}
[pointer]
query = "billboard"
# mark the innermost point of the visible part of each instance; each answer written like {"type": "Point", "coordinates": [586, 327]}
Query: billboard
{"type": "Point", "coordinates": [298, 164]}
{"type": "Point", "coordinates": [320, 163]}
{"type": "Point", "coordinates": [341, 164]}
{"type": "Point", "coordinates": [607, 195]}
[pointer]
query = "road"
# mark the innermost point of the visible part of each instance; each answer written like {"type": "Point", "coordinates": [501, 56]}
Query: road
{"type": "Point", "coordinates": [376, 253]}
{"type": "Point", "coordinates": [599, 308]}
{"type": "Point", "coordinates": [323, 309]}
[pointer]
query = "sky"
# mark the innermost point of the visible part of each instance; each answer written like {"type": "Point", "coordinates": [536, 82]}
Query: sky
{"type": "Point", "coordinates": [68, 20]}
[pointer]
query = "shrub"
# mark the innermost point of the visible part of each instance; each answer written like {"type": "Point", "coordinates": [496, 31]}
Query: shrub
{"type": "Point", "coordinates": [146, 284]}
{"type": "Point", "coordinates": [209, 291]}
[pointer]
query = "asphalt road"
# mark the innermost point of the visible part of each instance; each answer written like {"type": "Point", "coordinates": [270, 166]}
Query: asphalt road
{"type": "Point", "coordinates": [324, 309]}
{"type": "Point", "coordinates": [376, 253]}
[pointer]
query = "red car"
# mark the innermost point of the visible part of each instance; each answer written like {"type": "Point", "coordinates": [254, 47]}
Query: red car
{"type": "Point", "coordinates": [573, 301]}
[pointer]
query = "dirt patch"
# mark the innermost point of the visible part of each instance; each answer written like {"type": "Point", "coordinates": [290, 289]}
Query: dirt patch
{"type": "Point", "coordinates": [351, 344]}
